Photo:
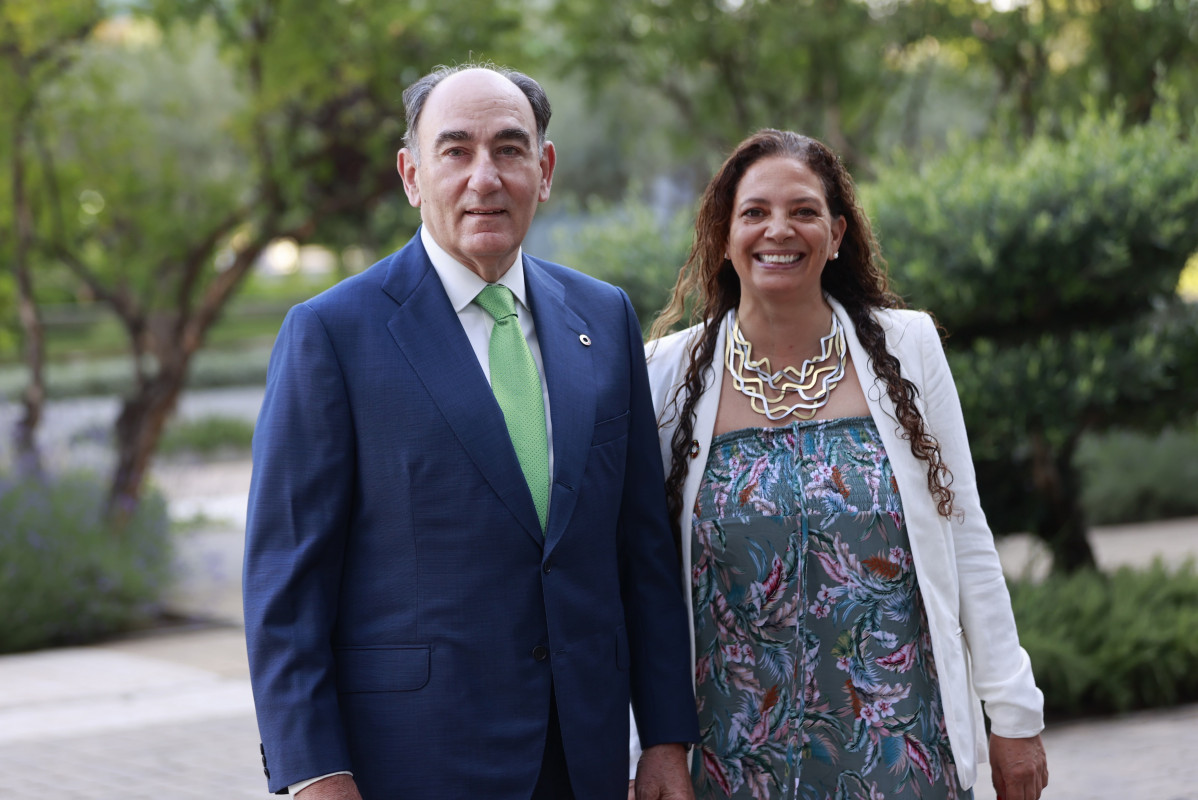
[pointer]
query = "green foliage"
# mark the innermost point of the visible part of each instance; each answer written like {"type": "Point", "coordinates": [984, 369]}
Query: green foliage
{"type": "Point", "coordinates": [1052, 236]}
{"type": "Point", "coordinates": [207, 436]}
{"type": "Point", "coordinates": [1129, 476]}
{"type": "Point", "coordinates": [866, 75]}
{"type": "Point", "coordinates": [65, 576]}
{"type": "Point", "coordinates": [148, 156]}
{"type": "Point", "coordinates": [633, 247]}
{"type": "Point", "coordinates": [95, 377]}
{"type": "Point", "coordinates": [1053, 268]}
{"type": "Point", "coordinates": [1102, 644]}
{"type": "Point", "coordinates": [1121, 55]}
{"type": "Point", "coordinates": [1062, 383]}
{"type": "Point", "coordinates": [89, 333]}
{"type": "Point", "coordinates": [826, 75]}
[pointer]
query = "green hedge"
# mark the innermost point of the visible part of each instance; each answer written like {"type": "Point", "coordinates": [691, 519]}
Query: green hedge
{"type": "Point", "coordinates": [1128, 476]}
{"type": "Point", "coordinates": [210, 436]}
{"type": "Point", "coordinates": [65, 577]}
{"type": "Point", "coordinates": [114, 376]}
{"type": "Point", "coordinates": [1108, 643]}
{"type": "Point", "coordinates": [633, 247]}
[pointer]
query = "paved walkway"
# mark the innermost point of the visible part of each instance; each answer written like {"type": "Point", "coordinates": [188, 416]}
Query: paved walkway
{"type": "Point", "coordinates": [169, 714]}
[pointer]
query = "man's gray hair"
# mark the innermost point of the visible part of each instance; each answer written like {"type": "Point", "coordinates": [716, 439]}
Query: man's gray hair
{"type": "Point", "coordinates": [415, 96]}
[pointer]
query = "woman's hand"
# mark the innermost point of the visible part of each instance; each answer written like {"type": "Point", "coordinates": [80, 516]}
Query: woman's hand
{"type": "Point", "coordinates": [1018, 767]}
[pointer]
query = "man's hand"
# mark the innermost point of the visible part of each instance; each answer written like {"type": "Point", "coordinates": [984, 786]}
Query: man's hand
{"type": "Point", "coordinates": [334, 787]}
{"type": "Point", "coordinates": [661, 774]}
{"type": "Point", "coordinates": [1018, 767]}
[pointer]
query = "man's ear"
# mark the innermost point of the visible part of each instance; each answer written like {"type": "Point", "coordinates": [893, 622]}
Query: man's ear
{"type": "Point", "coordinates": [405, 163]}
{"type": "Point", "coordinates": [548, 162]}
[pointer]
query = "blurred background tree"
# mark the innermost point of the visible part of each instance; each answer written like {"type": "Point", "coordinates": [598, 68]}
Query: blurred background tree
{"type": "Point", "coordinates": [1054, 268]}
{"type": "Point", "coordinates": [37, 43]}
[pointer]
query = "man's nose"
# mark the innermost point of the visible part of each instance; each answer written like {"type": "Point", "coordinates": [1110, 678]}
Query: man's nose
{"type": "Point", "coordinates": [484, 176]}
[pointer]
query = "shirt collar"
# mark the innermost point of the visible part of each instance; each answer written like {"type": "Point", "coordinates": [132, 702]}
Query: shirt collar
{"type": "Point", "coordinates": [463, 284]}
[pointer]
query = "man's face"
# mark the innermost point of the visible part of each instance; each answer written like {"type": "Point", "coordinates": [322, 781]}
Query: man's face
{"type": "Point", "coordinates": [480, 174]}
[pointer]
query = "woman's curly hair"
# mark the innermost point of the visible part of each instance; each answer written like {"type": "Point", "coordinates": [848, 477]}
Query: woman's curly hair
{"type": "Point", "coordinates": [858, 281]}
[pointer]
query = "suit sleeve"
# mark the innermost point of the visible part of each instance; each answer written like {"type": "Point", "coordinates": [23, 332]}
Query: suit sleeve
{"type": "Point", "coordinates": [1002, 671]}
{"type": "Point", "coordinates": [297, 520]}
{"type": "Point", "coordinates": [655, 617]}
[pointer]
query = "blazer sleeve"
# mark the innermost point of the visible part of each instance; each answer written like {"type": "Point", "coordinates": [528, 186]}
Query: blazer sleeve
{"type": "Point", "coordinates": [663, 700]}
{"type": "Point", "coordinates": [1001, 669]}
{"type": "Point", "coordinates": [298, 516]}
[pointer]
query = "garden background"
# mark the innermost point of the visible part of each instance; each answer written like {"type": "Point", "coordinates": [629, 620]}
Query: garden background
{"type": "Point", "coordinates": [177, 173]}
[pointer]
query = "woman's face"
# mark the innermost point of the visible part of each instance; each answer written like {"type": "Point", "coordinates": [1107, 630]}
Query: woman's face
{"type": "Point", "coordinates": [782, 233]}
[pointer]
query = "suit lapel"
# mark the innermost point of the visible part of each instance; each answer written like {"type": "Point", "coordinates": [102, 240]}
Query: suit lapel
{"type": "Point", "coordinates": [569, 374]}
{"type": "Point", "coordinates": [427, 331]}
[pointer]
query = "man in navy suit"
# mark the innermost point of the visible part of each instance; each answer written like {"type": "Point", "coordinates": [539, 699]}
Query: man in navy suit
{"type": "Point", "coordinates": [419, 623]}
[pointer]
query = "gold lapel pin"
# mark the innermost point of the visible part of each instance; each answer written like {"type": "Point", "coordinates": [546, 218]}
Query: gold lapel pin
{"type": "Point", "coordinates": [586, 340]}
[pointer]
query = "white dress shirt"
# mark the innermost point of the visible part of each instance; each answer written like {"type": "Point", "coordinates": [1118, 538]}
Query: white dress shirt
{"type": "Point", "coordinates": [462, 285]}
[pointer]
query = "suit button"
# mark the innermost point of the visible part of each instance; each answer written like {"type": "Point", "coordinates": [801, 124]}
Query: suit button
{"type": "Point", "coordinates": [548, 565]}
{"type": "Point", "coordinates": [540, 652]}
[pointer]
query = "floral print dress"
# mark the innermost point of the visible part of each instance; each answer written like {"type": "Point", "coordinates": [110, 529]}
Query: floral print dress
{"type": "Point", "coordinates": [814, 671]}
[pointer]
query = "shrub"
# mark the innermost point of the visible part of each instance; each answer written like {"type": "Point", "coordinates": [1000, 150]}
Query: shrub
{"type": "Point", "coordinates": [94, 377]}
{"type": "Point", "coordinates": [1106, 643]}
{"type": "Point", "coordinates": [633, 247]}
{"type": "Point", "coordinates": [65, 576]}
{"type": "Point", "coordinates": [1054, 266]}
{"type": "Point", "coordinates": [1134, 477]}
{"type": "Point", "coordinates": [207, 436]}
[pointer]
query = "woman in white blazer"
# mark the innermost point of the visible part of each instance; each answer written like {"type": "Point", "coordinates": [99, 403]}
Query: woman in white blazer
{"type": "Point", "coordinates": [842, 582]}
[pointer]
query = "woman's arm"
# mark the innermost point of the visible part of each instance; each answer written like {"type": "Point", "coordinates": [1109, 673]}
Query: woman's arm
{"type": "Point", "coordinates": [1002, 673]}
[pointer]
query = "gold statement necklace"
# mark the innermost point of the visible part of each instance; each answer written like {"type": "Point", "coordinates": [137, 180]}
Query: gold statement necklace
{"type": "Point", "coordinates": [789, 391]}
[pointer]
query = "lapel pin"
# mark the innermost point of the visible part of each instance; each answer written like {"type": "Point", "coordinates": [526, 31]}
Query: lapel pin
{"type": "Point", "coordinates": [694, 448]}
{"type": "Point", "coordinates": [586, 340]}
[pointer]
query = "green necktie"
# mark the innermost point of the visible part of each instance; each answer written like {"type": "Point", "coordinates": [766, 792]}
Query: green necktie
{"type": "Point", "coordinates": [517, 386]}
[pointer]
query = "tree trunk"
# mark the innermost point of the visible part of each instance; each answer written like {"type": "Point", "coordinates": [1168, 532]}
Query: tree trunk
{"type": "Point", "coordinates": [34, 351]}
{"type": "Point", "coordinates": [138, 429]}
{"type": "Point", "coordinates": [1061, 521]}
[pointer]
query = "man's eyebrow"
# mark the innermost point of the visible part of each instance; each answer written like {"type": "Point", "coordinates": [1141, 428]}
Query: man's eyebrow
{"type": "Point", "coordinates": [451, 136]}
{"type": "Point", "coordinates": [514, 134]}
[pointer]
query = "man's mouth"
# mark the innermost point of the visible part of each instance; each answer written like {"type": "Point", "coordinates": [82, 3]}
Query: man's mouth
{"type": "Point", "coordinates": [485, 212]}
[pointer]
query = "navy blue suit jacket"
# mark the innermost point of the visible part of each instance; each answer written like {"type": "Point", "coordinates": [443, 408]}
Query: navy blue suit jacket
{"type": "Point", "coordinates": [405, 617]}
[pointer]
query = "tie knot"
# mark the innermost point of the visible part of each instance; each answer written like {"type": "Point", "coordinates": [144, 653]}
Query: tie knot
{"type": "Point", "coordinates": [497, 301]}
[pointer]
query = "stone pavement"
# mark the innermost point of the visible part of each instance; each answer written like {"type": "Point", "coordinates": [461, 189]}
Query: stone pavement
{"type": "Point", "coordinates": [168, 714]}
